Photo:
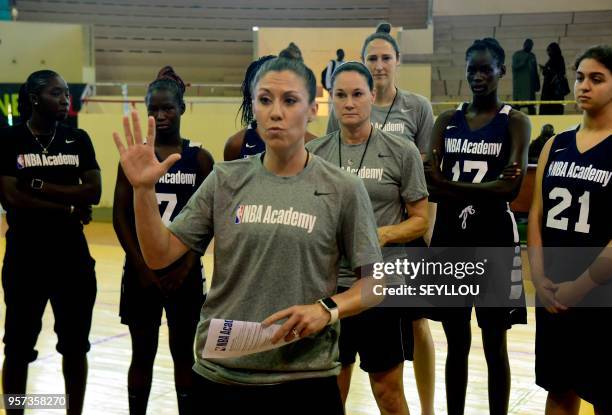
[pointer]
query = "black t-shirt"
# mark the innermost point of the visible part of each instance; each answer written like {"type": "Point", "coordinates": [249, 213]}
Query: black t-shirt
{"type": "Point", "coordinates": [68, 156]}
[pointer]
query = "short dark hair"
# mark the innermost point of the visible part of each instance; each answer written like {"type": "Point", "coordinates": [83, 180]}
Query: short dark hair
{"type": "Point", "coordinates": [35, 83]}
{"type": "Point", "coordinates": [353, 66]}
{"type": "Point", "coordinates": [489, 44]}
{"type": "Point", "coordinates": [383, 31]}
{"type": "Point", "coordinates": [601, 53]}
{"type": "Point", "coordinates": [290, 59]}
{"type": "Point", "coordinates": [168, 80]}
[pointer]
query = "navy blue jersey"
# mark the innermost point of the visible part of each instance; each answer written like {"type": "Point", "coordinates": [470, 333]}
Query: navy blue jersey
{"type": "Point", "coordinates": [577, 194]}
{"type": "Point", "coordinates": [252, 143]}
{"type": "Point", "coordinates": [174, 188]}
{"type": "Point", "coordinates": [476, 156]}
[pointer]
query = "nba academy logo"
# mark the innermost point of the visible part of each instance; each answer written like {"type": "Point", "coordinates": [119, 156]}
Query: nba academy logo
{"type": "Point", "coordinates": [20, 162]}
{"type": "Point", "coordinates": [239, 214]}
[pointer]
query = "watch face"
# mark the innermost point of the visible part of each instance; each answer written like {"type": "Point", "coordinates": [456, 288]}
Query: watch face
{"type": "Point", "coordinates": [37, 184]}
{"type": "Point", "coordinates": [329, 303]}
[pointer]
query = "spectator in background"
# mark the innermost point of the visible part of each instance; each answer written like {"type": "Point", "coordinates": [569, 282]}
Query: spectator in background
{"type": "Point", "coordinates": [525, 78]}
{"type": "Point", "coordinates": [555, 86]}
{"type": "Point", "coordinates": [535, 148]}
{"type": "Point", "coordinates": [331, 67]}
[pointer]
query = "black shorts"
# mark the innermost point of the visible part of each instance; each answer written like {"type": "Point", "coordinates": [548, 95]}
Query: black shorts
{"type": "Point", "coordinates": [573, 353]}
{"type": "Point", "coordinates": [37, 270]}
{"type": "Point", "coordinates": [142, 307]}
{"type": "Point", "coordinates": [380, 335]}
{"type": "Point", "coordinates": [298, 397]}
{"type": "Point", "coordinates": [493, 236]}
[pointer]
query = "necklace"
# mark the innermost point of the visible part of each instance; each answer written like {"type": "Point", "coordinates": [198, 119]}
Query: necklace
{"type": "Point", "coordinates": [389, 111]}
{"type": "Point", "coordinates": [45, 150]}
{"type": "Point", "coordinates": [364, 150]}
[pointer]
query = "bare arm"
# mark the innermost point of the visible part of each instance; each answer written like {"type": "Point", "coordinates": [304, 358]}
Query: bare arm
{"type": "Point", "coordinates": [311, 318]}
{"type": "Point", "coordinates": [503, 187]}
{"type": "Point", "coordinates": [544, 287]}
{"type": "Point", "coordinates": [86, 193]}
{"type": "Point", "coordinates": [158, 245]}
{"type": "Point", "coordinates": [12, 196]}
{"type": "Point", "coordinates": [412, 228]}
{"type": "Point", "coordinates": [231, 151]}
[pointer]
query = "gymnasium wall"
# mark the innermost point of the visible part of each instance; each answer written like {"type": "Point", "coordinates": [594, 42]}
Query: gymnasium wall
{"type": "Point", "coordinates": [319, 45]}
{"type": "Point", "coordinates": [65, 48]}
{"type": "Point", "coordinates": [476, 7]}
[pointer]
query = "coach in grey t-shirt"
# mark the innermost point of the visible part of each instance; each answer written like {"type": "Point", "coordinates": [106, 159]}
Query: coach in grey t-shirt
{"type": "Point", "coordinates": [392, 172]}
{"type": "Point", "coordinates": [410, 116]}
{"type": "Point", "coordinates": [280, 242]}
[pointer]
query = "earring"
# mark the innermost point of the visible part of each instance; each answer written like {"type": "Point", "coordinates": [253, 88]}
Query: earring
{"type": "Point", "coordinates": [36, 103]}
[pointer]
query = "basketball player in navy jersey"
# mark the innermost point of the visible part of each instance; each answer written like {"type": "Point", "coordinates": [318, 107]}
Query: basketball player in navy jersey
{"type": "Point", "coordinates": [477, 143]}
{"type": "Point", "coordinates": [247, 142]}
{"type": "Point", "coordinates": [179, 288]}
{"type": "Point", "coordinates": [569, 238]}
{"type": "Point", "coordinates": [49, 178]}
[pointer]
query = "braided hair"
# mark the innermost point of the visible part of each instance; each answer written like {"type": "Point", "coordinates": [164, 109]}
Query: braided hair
{"type": "Point", "coordinates": [35, 83]}
{"type": "Point", "coordinates": [246, 107]}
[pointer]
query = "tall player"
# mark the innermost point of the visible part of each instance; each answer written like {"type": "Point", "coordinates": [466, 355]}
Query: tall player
{"type": "Point", "coordinates": [570, 218]}
{"type": "Point", "coordinates": [473, 211]}
{"type": "Point", "coordinates": [49, 177]}
{"type": "Point", "coordinates": [179, 288]}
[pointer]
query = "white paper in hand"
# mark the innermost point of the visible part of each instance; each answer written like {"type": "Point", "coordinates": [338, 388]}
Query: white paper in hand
{"type": "Point", "coordinates": [233, 338]}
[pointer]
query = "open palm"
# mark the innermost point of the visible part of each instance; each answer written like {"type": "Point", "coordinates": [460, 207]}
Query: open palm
{"type": "Point", "coordinates": [138, 159]}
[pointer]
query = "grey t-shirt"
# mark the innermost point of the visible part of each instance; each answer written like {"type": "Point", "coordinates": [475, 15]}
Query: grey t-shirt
{"type": "Point", "coordinates": [392, 172]}
{"type": "Point", "coordinates": [278, 243]}
{"type": "Point", "coordinates": [410, 117]}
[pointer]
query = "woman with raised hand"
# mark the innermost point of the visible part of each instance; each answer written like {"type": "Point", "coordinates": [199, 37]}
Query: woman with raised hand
{"type": "Point", "coordinates": [569, 238]}
{"type": "Point", "coordinates": [49, 178]}
{"type": "Point", "coordinates": [178, 289]}
{"type": "Point", "coordinates": [281, 221]}
{"type": "Point", "coordinates": [479, 156]}
{"type": "Point", "coordinates": [392, 171]}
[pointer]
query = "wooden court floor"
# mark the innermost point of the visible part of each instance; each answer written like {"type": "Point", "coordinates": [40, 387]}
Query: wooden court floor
{"type": "Point", "coordinates": [110, 355]}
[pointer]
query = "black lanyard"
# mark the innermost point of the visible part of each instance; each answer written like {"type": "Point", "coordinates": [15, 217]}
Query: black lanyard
{"type": "Point", "coordinates": [389, 111]}
{"type": "Point", "coordinates": [364, 151]}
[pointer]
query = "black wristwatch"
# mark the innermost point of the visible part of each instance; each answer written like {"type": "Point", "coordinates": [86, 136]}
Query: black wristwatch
{"type": "Point", "coordinates": [331, 307]}
{"type": "Point", "coordinates": [36, 184]}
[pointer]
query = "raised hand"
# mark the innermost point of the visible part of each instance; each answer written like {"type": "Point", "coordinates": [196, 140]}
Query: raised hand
{"type": "Point", "coordinates": [138, 159]}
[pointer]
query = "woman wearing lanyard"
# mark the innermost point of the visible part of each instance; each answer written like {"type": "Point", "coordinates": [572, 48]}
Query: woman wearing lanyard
{"type": "Point", "coordinates": [409, 116]}
{"type": "Point", "coordinates": [392, 172]}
